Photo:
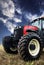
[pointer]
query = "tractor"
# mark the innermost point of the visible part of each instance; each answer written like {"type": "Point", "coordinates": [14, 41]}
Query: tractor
{"type": "Point", "coordinates": [27, 40]}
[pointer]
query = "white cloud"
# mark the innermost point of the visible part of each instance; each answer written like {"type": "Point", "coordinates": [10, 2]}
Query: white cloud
{"type": "Point", "coordinates": [8, 24]}
{"type": "Point", "coordinates": [19, 10]}
{"type": "Point", "coordinates": [17, 20]}
{"type": "Point", "coordinates": [31, 17]}
{"type": "Point", "coordinates": [7, 7]}
{"type": "Point", "coordinates": [3, 20]}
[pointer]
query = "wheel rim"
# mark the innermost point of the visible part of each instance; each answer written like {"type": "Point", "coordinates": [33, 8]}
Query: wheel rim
{"type": "Point", "coordinates": [34, 47]}
{"type": "Point", "coordinates": [13, 49]}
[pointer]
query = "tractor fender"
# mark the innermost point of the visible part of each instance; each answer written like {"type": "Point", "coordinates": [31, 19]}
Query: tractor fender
{"type": "Point", "coordinates": [29, 28]}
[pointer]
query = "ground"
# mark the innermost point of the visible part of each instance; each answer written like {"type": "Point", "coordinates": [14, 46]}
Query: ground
{"type": "Point", "coordinates": [12, 59]}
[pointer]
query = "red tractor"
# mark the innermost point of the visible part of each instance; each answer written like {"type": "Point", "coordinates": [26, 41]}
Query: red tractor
{"type": "Point", "coordinates": [27, 40]}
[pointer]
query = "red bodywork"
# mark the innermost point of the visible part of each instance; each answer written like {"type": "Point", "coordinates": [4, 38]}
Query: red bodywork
{"type": "Point", "coordinates": [27, 27]}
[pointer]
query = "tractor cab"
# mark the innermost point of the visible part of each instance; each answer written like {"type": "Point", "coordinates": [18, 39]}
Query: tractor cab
{"type": "Point", "coordinates": [38, 23]}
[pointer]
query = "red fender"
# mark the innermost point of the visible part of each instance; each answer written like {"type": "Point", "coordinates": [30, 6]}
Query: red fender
{"type": "Point", "coordinates": [30, 28]}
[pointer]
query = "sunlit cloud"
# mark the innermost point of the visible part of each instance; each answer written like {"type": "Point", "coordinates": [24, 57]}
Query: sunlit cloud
{"type": "Point", "coordinates": [8, 7]}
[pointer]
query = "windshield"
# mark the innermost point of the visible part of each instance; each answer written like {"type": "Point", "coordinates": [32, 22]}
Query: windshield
{"type": "Point", "coordinates": [36, 23]}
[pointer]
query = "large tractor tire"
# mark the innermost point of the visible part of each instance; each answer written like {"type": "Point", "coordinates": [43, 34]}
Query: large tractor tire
{"type": "Point", "coordinates": [30, 46]}
{"type": "Point", "coordinates": [8, 45]}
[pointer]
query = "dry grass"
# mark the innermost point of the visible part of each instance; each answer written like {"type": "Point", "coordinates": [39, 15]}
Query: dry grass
{"type": "Point", "coordinates": [9, 59]}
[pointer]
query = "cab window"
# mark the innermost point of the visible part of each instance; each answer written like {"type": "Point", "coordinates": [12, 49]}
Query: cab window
{"type": "Point", "coordinates": [37, 23]}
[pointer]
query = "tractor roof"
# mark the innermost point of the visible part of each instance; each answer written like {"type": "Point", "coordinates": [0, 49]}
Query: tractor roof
{"type": "Point", "coordinates": [41, 18]}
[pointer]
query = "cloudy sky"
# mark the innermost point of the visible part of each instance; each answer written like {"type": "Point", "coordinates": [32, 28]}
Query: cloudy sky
{"type": "Point", "coordinates": [18, 12]}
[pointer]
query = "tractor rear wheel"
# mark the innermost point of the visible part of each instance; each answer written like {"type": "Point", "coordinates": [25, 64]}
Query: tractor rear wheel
{"type": "Point", "coordinates": [8, 45]}
{"type": "Point", "coordinates": [30, 46]}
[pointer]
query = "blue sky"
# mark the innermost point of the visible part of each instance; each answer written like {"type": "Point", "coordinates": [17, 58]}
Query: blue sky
{"type": "Point", "coordinates": [18, 12]}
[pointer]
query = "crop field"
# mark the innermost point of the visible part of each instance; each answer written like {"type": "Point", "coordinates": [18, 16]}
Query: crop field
{"type": "Point", "coordinates": [12, 59]}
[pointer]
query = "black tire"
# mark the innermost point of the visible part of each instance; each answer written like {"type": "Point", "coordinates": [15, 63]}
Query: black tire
{"type": "Point", "coordinates": [7, 45]}
{"type": "Point", "coordinates": [23, 46]}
